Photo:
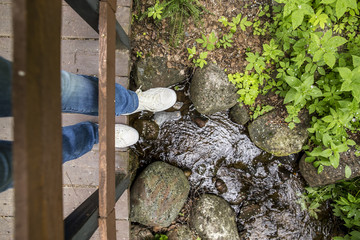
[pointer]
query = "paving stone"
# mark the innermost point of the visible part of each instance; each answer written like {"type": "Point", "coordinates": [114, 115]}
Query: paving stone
{"type": "Point", "coordinates": [7, 203]}
{"type": "Point", "coordinates": [6, 48]}
{"type": "Point", "coordinates": [74, 196]}
{"type": "Point", "coordinates": [122, 230]}
{"type": "Point", "coordinates": [7, 228]}
{"type": "Point", "coordinates": [122, 207]}
{"type": "Point", "coordinates": [5, 20]}
{"type": "Point", "coordinates": [6, 128]}
{"type": "Point", "coordinates": [123, 3]}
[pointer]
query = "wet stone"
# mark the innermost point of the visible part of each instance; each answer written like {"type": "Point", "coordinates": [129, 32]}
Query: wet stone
{"type": "Point", "coordinates": [181, 232]}
{"type": "Point", "coordinates": [161, 117]}
{"type": "Point", "coordinates": [158, 194]}
{"type": "Point", "coordinates": [239, 114]}
{"type": "Point", "coordinates": [220, 186]}
{"type": "Point", "coordinates": [153, 72]}
{"type": "Point", "coordinates": [211, 91]}
{"type": "Point", "coordinates": [214, 219]}
{"type": "Point", "coordinates": [330, 174]}
{"type": "Point", "coordinates": [140, 233]}
{"type": "Point", "coordinates": [147, 129]}
{"type": "Point", "coordinates": [273, 135]}
{"type": "Point", "coordinates": [200, 121]}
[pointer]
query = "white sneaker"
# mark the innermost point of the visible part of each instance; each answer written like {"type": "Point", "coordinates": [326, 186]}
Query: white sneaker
{"type": "Point", "coordinates": [125, 136]}
{"type": "Point", "coordinates": [155, 99]}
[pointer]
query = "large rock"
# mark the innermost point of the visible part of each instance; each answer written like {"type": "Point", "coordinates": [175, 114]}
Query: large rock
{"type": "Point", "coordinates": [330, 175]}
{"type": "Point", "coordinates": [158, 194]}
{"type": "Point", "coordinates": [270, 133]}
{"type": "Point", "coordinates": [214, 219]}
{"type": "Point", "coordinates": [153, 72]}
{"type": "Point", "coordinates": [147, 129]}
{"type": "Point", "coordinates": [211, 91]}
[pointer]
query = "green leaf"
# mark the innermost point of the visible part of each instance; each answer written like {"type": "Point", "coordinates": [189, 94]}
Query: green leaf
{"type": "Point", "coordinates": [328, 1]}
{"type": "Point", "coordinates": [292, 81]}
{"type": "Point", "coordinates": [318, 55]}
{"type": "Point", "coordinates": [356, 61]}
{"type": "Point", "coordinates": [347, 171]}
{"type": "Point", "coordinates": [297, 18]}
{"type": "Point", "coordinates": [334, 161]}
{"type": "Point", "coordinates": [290, 96]}
{"type": "Point", "coordinates": [329, 59]}
{"type": "Point", "coordinates": [320, 169]}
{"type": "Point", "coordinates": [345, 73]}
{"type": "Point", "coordinates": [336, 41]}
{"type": "Point", "coordinates": [340, 8]}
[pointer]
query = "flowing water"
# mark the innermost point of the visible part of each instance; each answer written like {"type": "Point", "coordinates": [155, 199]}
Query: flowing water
{"type": "Point", "coordinates": [262, 189]}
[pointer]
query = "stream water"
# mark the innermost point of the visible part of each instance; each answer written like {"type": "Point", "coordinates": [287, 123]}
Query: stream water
{"type": "Point", "coordinates": [262, 189]}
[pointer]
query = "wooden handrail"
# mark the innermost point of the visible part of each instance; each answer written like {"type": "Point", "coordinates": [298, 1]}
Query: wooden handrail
{"type": "Point", "coordinates": [37, 154]}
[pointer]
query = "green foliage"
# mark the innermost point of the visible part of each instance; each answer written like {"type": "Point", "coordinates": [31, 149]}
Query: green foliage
{"type": "Point", "coordinates": [201, 62]}
{"type": "Point", "coordinates": [177, 11]}
{"type": "Point", "coordinates": [155, 11]}
{"type": "Point", "coordinates": [311, 71]}
{"type": "Point", "coordinates": [243, 22]}
{"type": "Point", "coordinates": [160, 237]}
{"type": "Point", "coordinates": [345, 202]}
{"type": "Point", "coordinates": [139, 54]}
{"type": "Point", "coordinates": [226, 40]}
{"type": "Point", "coordinates": [260, 110]}
{"type": "Point", "coordinates": [208, 42]}
{"type": "Point", "coordinates": [248, 85]}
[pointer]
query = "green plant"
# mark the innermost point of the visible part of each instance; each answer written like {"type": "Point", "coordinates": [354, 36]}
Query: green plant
{"type": "Point", "coordinates": [177, 11]}
{"type": "Point", "coordinates": [201, 62]}
{"type": "Point", "coordinates": [192, 52]}
{"type": "Point", "coordinates": [208, 42]}
{"type": "Point", "coordinates": [226, 40]}
{"type": "Point", "coordinates": [155, 11]}
{"type": "Point", "coordinates": [160, 237]}
{"type": "Point", "coordinates": [248, 85]}
{"type": "Point", "coordinates": [243, 22]}
{"type": "Point", "coordinates": [260, 110]}
{"type": "Point", "coordinates": [345, 201]}
{"type": "Point", "coordinates": [139, 54]}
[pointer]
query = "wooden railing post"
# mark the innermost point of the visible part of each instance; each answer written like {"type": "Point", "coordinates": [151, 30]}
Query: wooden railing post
{"type": "Point", "coordinates": [37, 155]}
{"type": "Point", "coordinates": [107, 120]}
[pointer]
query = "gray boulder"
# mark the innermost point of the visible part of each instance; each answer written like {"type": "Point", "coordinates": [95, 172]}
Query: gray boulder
{"type": "Point", "coordinates": [211, 91]}
{"type": "Point", "coordinates": [330, 175]}
{"type": "Point", "coordinates": [158, 194]}
{"type": "Point", "coordinates": [181, 232]}
{"type": "Point", "coordinates": [153, 72]}
{"type": "Point", "coordinates": [270, 133]}
{"type": "Point", "coordinates": [214, 219]}
{"type": "Point", "coordinates": [239, 114]}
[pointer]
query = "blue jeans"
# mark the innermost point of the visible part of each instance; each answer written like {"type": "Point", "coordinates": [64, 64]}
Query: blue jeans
{"type": "Point", "coordinates": [79, 94]}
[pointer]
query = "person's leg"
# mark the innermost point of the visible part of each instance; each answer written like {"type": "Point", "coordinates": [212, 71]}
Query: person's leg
{"type": "Point", "coordinates": [78, 139]}
{"type": "Point", "coordinates": [80, 95]}
{"type": "Point", "coordinates": [5, 87]}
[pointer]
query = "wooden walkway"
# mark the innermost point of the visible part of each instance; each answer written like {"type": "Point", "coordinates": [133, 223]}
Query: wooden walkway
{"type": "Point", "coordinates": [79, 55]}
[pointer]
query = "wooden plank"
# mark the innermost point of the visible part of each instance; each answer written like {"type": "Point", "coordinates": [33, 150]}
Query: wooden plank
{"type": "Point", "coordinates": [36, 108]}
{"type": "Point", "coordinates": [78, 57]}
{"type": "Point", "coordinates": [73, 26]}
{"type": "Point", "coordinates": [107, 121]}
{"type": "Point", "coordinates": [83, 221]}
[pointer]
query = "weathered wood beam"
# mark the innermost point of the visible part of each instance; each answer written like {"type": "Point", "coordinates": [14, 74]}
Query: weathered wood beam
{"type": "Point", "coordinates": [107, 121]}
{"type": "Point", "coordinates": [37, 155]}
